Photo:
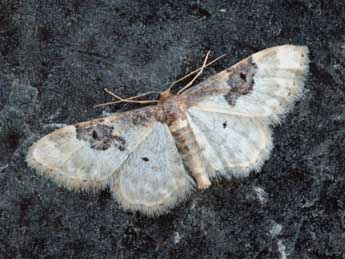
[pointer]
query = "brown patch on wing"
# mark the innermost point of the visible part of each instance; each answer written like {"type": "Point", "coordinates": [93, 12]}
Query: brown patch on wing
{"type": "Point", "coordinates": [240, 80]}
{"type": "Point", "coordinates": [231, 83]}
{"type": "Point", "coordinates": [100, 136]}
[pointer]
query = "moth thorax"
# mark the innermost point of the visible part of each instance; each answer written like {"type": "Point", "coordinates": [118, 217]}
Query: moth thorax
{"type": "Point", "coordinates": [173, 110]}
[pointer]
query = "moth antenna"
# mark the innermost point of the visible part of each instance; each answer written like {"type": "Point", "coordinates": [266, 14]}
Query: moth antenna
{"type": "Point", "coordinates": [196, 76]}
{"type": "Point", "coordinates": [126, 100]}
{"type": "Point", "coordinates": [113, 95]}
{"type": "Point", "coordinates": [194, 71]}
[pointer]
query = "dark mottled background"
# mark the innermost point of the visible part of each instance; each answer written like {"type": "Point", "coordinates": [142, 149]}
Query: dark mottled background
{"type": "Point", "coordinates": [57, 56]}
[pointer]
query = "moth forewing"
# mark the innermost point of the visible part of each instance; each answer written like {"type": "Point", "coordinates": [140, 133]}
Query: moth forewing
{"type": "Point", "coordinates": [85, 155]}
{"type": "Point", "coordinates": [264, 85]}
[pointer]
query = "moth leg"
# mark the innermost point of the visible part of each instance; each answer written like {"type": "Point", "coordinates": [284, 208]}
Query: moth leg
{"type": "Point", "coordinates": [126, 100]}
{"type": "Point", "coordinates": [196, 76]}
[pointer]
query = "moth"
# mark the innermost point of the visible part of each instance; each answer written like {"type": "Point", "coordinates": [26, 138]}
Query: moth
{"type": "Point", "coordinates": [151, 158]}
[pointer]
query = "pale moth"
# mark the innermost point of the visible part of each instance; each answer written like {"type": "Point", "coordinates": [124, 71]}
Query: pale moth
{"type": "Point", "coordinates": [151, 158]}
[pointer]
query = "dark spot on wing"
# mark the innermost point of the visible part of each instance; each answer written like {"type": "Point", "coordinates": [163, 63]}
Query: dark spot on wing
{"type": "Point", "coordinates": [225, 124]}
{"type": "Point", "coordinates": [145, 159]}
{"type": "Point", "coordinates": [243, 77]}
{"type": "Point", "coordinates": [94, 134]}
{"type": "Point", "coordinates": [100, 136]}
{"type": "Point", "coordinates": [241, 80]}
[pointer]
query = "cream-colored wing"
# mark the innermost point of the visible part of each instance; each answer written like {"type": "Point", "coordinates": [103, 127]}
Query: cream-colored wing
{"type": "Point", "coordinates": [131, 152]}
{"type": "Point", "coordinates": [265, 85]}
{"type": "Point", "coordinates": [86, 155]}
{"type": "Point", "coordinates": [232, 145]}
{"type": "Point", "coordinates": [153, 178]}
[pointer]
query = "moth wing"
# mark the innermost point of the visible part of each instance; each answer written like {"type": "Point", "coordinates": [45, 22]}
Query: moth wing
{"type": "Point", "coordinates": [86, 154]}
{"type": "Point", "coordinates": [153, 178]}
{"type": "Point", "coordinates": [265, 85]}
{"type": "Point", "coordinates": [232, 145]}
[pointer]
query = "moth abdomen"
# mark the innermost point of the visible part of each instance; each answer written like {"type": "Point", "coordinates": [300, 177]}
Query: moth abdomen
{"type": "Point", "coordinates": [190, 152]}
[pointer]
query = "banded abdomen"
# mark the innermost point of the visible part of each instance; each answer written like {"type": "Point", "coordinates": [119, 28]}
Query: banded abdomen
{"type": "Point", "coordinates": [171, 110]}
{"type": "Point", "coordinates": [190, 151]}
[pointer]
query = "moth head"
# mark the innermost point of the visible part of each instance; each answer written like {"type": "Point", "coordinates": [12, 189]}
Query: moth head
{"type": "Point", "coordinates": [165, 95]}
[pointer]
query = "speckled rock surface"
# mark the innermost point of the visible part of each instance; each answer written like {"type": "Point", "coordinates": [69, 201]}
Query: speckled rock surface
{"type": "Point", "coordinates": [57, 56]}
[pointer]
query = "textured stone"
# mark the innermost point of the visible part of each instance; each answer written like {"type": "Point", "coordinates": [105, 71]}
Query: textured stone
{"type": "Point", "coordinates": [57, 56]}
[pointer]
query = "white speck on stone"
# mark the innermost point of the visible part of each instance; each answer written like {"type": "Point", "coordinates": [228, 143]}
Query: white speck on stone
{"type": "Point", "coordinates": [54, 115]}
{"type": "Point", "coordinates": [261, 195]}
{"type": "Point", "coordinates": [3, 167]}
{"type": "Point", "coordinates": [177, 238]}
{"type": "Point", "coordinates": [276, 230]}
{"type": "Point", "coordinates": [281, 249]}
{"type": "Point", "coordinates": [222, 10]}
{"type": "Point", "coordinates": [193, 205]}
